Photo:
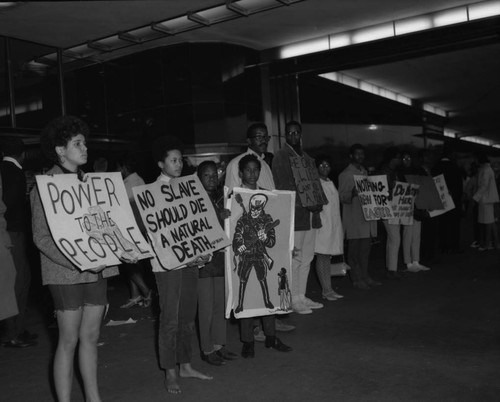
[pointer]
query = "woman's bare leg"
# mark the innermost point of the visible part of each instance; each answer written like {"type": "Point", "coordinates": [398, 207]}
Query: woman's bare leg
{"type": "Point", "coordinates": [69, 322]}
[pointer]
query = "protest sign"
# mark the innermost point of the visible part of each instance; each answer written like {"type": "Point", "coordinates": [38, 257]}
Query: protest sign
{"type": "Point", "coordinates": [180, 220]}
{"type": "Point", "coordinates": [403, 199]}
{"type": "Point", "coordinates": [259, 261]}
{"type": "Point", "coordinates": [428, 197]}
{"type": "Point", "coordinates": [444, 195]}
{"type": "Point", "coordinates": [91, 221]}
{"type": "Point", "coordinates": [306, 177]}
{"type": "Point", "coordinates": [373, 194]}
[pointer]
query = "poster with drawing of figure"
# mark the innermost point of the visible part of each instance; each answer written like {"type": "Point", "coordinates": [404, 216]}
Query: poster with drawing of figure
{"type": "Point", "coordinates": [259, 260]}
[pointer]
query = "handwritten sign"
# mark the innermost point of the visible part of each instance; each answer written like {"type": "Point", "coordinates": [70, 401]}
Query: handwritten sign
{"type": "Point", "coordinates": [403, 200]}
{"type": "Point", "coordinates": [91, 222]}
{"type": "Point", "coordinates": [259, 261]}
{"type": "Point", "coordinates": [180, 220]}
{"type": "Point", "coordinates": [373, 194]}
{"type": "Point", "coordinates": [307, 182]}
{"type": "Point", "coordinates": [444, 195]}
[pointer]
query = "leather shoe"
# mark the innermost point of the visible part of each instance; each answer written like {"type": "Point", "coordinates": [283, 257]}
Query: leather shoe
{"type": "Point", "coordinates": [248, 350]}
{"type": "Point", "coordinates": [225, 354]}
{"type": "Point", "coordinates": [213, 359]}
{"type": "Point", "coordinates": [393, 275]}
{"type": "Point", "coordinates": [361, 285]}
{"type": "Point", "coordinates": [371, 282]}
{"type": "Point", "coordinates": [274, 343]}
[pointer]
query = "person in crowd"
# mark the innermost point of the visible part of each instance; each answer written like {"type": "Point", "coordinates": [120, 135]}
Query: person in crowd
{"type": "Point", "coordinates": [358, 231]}
{"type": "Point", "coordinates": [140, 293]}
{"type": "Point", "coordinates": [412, 233]}
{"type": "Point", "coordinates": [211, 287]}
{"type": "Point", "coordinates": [390, 163]}
{"type": "Point", "coordinates": [177, 288]}
{"type": "Point", "coordinates": [16, 214]}
{"type": "Point", "coordinates": [258, 139]}
{"type": "Point", "coordinates": [79, 297]}
{"type": "Point", "coordinates": [249, 170]}
{"type": "Point", "coordinates": [305, 233]}
{"type": "Point", "coordinates": [486, 196]}
{"type": "Point", "coordinates": [8, 303]}
{"type": "Point", "coordinates": [429, 228]}
{"type": "Point", "coordinates": [449, 222]}
{"type": "Point", "coordinates": [470, 188]}
{"type": "Point", "coordinates": [330, 237]}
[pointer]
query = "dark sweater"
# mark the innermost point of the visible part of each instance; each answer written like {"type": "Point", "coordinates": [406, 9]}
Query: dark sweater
{"type": "Point", "coordinates": [14, 197]}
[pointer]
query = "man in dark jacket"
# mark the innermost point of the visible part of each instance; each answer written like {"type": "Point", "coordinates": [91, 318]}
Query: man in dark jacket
{"type": "Point", "coordinates": [15, 199]}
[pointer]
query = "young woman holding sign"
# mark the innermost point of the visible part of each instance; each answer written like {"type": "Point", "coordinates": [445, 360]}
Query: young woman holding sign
{"type": "Point", "coordinates": [177, 289]}
{"type": "Point", "coordinates": [79, 297]}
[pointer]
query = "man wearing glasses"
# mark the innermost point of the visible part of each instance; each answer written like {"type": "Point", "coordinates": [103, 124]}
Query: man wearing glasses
{"type": "Point", "coordinates": [257, 138]}
{"type": "Point", "coordinates": [305, 234]}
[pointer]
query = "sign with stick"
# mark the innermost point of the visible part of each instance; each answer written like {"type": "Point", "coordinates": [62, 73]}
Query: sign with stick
{"type": "Point", "coordinates": [307, 182]}
{"type": "Point", "coordinates": [259, 261]}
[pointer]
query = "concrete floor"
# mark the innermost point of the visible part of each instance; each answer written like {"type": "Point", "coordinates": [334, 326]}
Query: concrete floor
{"type": "Point", "coordinates": [433, 336]}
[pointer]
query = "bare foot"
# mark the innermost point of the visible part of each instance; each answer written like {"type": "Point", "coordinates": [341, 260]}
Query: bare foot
{"type": "Point", "coordinates": [187, 371]}
{"type": "Point", "coordinates": [171, 382]}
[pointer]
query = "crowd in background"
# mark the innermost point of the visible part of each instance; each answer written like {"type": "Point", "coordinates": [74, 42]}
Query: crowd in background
{"type": "Point", "coordinates": [335, 231]}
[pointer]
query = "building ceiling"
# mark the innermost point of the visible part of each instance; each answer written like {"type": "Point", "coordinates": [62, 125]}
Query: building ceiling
{"type": "Point", "coordinates": [462, 80]}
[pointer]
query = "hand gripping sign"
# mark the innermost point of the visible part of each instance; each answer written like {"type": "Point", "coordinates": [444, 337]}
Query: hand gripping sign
{"type": "Point", "coordinates": [91, 221]}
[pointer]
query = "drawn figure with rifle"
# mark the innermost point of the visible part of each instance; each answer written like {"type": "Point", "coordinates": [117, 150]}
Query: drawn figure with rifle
{"type": "Point", "coordinates": [254, 234]}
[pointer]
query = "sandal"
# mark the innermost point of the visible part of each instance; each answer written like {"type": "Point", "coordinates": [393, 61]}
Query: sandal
{"type": "Point", "coordinates": [132, 302]}
{"type": "Point", "coordinates": [146, 301]}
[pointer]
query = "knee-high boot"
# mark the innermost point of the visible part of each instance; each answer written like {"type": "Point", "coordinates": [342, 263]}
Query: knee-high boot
{"type": "Point", "coordinates": [265, 293]}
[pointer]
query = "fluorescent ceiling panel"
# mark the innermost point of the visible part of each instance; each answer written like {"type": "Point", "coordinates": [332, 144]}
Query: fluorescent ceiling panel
{"type": "Point", "coordinates": [373, 33]}
{"type": "Point", "coordinates": [414, 24]}
{"type": "Point", "coordinates": [449, 17]}
{"type": "Point", "coordinates": [484, 10]}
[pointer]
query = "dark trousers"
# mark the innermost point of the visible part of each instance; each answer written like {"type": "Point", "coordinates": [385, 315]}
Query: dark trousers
{"type": "Point", "coordinates": [177, 292]}
{"type": "Point", "coordinates": [358, 254]}
{"type": "Point", "coordinates": [449, 230]}
{"type": "Point", "coordinates": [15, 325]}
{"type": "Point", "coordinates": [246, 327]}
{"type": "Point", "coordinates": [211, 313]}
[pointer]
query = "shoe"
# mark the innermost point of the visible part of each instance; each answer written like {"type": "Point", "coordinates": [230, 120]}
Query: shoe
{"type": "Point", "coordinates": [213, 359]}
{"type": "Point", "coordinates": [225, 354]}
{"type": "Point", "coordinates": [311, 304]}
{"type": "Point", "coordinates": [330, 296]}
{"type": "Point", "coordinates": [274, 343]}
{"type": "Point", "coordinates": [282, 327]}
{"type": "Point", "coordinates": [248, 350]}
{"type": "Point", "coordinates": [393, 275]}
{"type": "Point", "coordinates": [301, 308]}
{"type": "Point", "coordinates": [412, 267]}
{"type": "Point", "coordinates": [146, 301]}
{"type": "Point", "coordinates": [18, 344]}
{"type": "Point", "coordinates": [420, 266]}
{"type": "Point", "coordinates": [132, 302]}
{"type": "Point", "coordinates": [371, 282]}
{"type": "Point", "coordinates": [474, 244]}
{"type": "Point", "coordinates": [258, 334]}
{"type": "Point", "coordinates": [361, 285]}
{"type": "Point", "coordinates": [27, 336]}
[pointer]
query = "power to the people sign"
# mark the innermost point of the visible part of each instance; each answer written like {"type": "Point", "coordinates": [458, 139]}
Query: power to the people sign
{"type": "Point", "coordinates": [91, 221]}
{"type": "Point", "coordinates": [180, 219]}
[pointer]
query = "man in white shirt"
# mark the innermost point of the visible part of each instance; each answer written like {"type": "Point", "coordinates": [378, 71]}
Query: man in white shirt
{"type": "Point", "coordinates": [257, 138]}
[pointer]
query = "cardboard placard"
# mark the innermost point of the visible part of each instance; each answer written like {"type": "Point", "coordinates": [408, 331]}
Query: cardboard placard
{"type": "Point", "coordinates": [428, 197]}
{"type": "Point", "coordinates": [91, 222]}
{"type": "Point", "coordinates": [444, 195]}
{"type": "Point", "coordinates": [373, 194]}
{"type": "Point", "coordinates": [259, 261]}
{"type": "Point", "coordinates": [403, 200]}
{"type": "Point", "coordinates": [307, 182]}
{"type": "Point", "coordinates": [180, 220]}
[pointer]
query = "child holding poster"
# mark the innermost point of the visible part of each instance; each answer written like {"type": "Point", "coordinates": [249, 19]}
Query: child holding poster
{"type": "Point", "coordinates": [212, 324]}
{"type": "Point", "coordinates": [249, 171]}
{"type": "Point", "coordinates": [79, 296]}
{"type": "Point", "coordinates": [177, 289]}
